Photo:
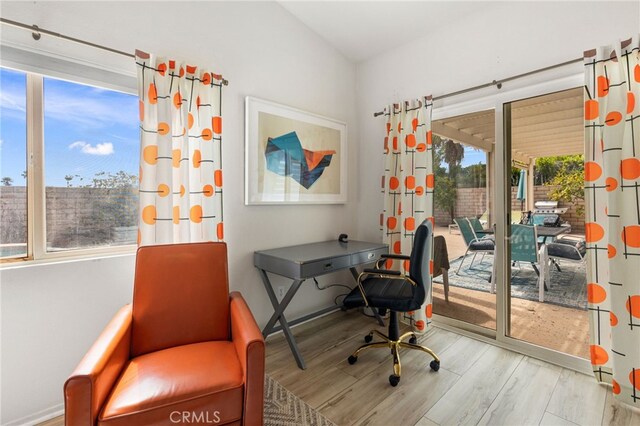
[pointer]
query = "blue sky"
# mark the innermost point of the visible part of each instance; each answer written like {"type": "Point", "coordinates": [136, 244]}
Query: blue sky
{"type": "Point", "coordinates": [473, 156]}
{"type": "Point", "coordinates": [86, 130]}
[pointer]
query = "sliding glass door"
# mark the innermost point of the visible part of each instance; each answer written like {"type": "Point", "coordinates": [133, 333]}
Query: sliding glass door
{"type": "Point", "coordinates": [544, 204]}
{"type": "Point", "coordinates": [527, 290]}
{"type": "Point", "coordinates": [463, 148]}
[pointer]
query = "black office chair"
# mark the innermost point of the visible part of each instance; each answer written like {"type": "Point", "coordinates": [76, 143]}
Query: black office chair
{"type": "Point", "coordinates": [386, 289]}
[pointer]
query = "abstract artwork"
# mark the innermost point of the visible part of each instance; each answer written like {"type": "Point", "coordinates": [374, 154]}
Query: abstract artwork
{"type": "Point", "coordinates": [286, 157]}
{"type": "Point", "coordinates": [293, 157]}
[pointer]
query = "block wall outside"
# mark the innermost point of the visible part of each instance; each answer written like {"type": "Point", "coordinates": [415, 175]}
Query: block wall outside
{"type": "Point", "coordinates": [472, 202]}
{"type": "Point", "coordinates": [80, 217]}
{"type": "Point", "coordinates": [76, 217]}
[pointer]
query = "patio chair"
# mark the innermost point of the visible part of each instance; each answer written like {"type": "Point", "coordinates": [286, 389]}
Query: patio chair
{"type": "Point", "coordinates": [525, 248]}
{"type": "Point", "coordinates": [567, 248]}
{"type": "Point", "coordinates": [441, 263]}
{"type": "Point", "coordinates": [476, 224]}
{"type": "Point", "coordinates": [474, 244]}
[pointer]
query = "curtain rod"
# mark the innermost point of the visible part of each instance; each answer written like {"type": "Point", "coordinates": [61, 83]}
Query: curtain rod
{"type": "Point", "coordinates": [37, 31]}
{"type": "Point", "coordinates": [497, 83]}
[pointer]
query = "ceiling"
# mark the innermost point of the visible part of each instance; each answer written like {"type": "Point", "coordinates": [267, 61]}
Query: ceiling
{"type": "Point", "coordinates": [543, 126]}
{"type": "Point", "coordinates": [363, 29]}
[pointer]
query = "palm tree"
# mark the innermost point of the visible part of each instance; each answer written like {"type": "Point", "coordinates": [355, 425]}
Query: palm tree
{"type": "Point", "coordinates": [453, 155]}
{"type": "Point", "coordinates": [7, 181]}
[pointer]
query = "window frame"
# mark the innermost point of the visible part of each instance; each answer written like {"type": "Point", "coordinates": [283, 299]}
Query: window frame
{"type": "Point", "coordinates": [36, 185]}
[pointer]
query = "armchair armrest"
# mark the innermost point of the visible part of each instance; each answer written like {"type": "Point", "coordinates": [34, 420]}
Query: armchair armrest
{"type": "Point", "coordinates": [91, 382]}
{"type": "Point", "coordinates": [249, 345]}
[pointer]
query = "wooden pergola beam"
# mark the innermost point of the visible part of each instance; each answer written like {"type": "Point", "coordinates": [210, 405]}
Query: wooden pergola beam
{"type": "Point", "coordinates": [460, 136]}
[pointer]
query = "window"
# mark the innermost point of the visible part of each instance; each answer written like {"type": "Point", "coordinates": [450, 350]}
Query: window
{"type": "Point", "coordinates": [83, 178]}
{"type": "Point", "coordinates": [13, 164]}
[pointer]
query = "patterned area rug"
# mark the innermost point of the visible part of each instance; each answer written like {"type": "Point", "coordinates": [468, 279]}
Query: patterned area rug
{"type": "Point", "coordinates": [568, 288]}
{"type": "Point", "coordinates": [282, 408]}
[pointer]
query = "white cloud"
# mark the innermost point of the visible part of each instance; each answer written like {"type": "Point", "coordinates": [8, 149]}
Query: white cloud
{"type": "Point", "coordinates": [13, 99]}
{"type": "Point", "coordinates": [72, 107]}
{"type": "Point", "coordinates": [80, 109]}
{"type": "Point", "coordinates": [105, 148]}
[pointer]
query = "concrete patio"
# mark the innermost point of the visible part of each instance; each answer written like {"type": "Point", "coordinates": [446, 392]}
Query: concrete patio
{"type": "Point", "coordinates": [546, 324]}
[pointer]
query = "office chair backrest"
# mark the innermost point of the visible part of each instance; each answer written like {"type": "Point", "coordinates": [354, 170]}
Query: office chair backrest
{"type": "Point", "coordinates": [180, 296]}
{"type": "Point", "coordinates": [524, 243]}
{"type": "Point", "coordinates": [465, 229]}
{"type": "Point", "coordinates": [421, 256]}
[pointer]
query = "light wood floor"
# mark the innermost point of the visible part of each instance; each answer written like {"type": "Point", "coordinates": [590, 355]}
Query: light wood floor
{"type": "Point", "coordinates": [477, 383]}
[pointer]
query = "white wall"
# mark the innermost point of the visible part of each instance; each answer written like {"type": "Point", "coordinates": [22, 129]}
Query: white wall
{"type": "Point", "coordinates": [505, 39]}
{"type": "Point", "coordinates": [52, 313]}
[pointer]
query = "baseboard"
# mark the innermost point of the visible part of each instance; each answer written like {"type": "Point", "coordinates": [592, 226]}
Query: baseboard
{"type": "Point", "coordinates": [39, 417]}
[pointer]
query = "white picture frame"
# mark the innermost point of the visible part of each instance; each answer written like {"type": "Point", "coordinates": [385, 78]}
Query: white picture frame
{"type": "Point", "coordinates": [293, 156]}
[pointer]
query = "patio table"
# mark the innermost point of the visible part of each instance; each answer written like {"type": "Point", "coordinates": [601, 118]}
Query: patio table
{"type": "Point", "coordinates": [543, 231]}
{"type": "Point", "coordinates": [551, 231]}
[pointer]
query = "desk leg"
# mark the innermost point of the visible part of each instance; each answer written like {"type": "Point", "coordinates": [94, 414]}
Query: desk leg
{"type": "Point", "coordinates": [356, 274]}
{"type": "Point", "coordinates": [278, 315]}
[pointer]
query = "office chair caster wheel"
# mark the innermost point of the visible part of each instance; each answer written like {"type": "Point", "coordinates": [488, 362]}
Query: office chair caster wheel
{"type": "Point", "coordinates": [394, 380]}
{"type": "Point", "coordinates": [352, 359]}
{"type": "Point", "coordinates": [435, 365]}
{"type": "Point", "coordinates": [368, 338]}
{"type": "Point", "coordinates": [413, 340]}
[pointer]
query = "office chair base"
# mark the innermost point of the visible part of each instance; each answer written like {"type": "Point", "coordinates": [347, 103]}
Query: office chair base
{"type": "Point", "coordinates": [395, 346]}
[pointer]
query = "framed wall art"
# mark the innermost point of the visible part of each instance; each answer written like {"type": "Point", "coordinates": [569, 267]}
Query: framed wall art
{"type": "Point", "coordinates": [292, 156]}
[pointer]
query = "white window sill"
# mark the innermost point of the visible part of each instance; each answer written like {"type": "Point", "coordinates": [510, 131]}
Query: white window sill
{"type": "Point", "coordinates": [71, 256]}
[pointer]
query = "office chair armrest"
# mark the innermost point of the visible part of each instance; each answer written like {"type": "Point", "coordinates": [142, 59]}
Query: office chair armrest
{"type": "Point", "coordinates": [249, 344]}
{"type": "Point", "coordinates": [382, 271]}
{"type": "Point", "coordinates": [91, 382]}
{"type": "Point", "coordinates": [395, 256]}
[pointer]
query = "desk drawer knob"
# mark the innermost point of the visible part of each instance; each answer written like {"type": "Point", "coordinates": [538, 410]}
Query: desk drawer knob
{"type": "Point", "coordinates": [371, 255]}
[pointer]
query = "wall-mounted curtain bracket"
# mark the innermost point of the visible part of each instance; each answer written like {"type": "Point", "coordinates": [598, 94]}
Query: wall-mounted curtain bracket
{"type": "Point", "coordinates": [36, 34]}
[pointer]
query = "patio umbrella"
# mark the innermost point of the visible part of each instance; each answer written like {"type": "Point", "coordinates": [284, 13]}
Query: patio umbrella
{"type": "Point", "coordinates": [522, 188]}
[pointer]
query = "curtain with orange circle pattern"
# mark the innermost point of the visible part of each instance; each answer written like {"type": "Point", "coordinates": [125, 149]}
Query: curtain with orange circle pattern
{"type": "Point", "coordinates": [407, 185]}
{"type": "Point", "coordinates": [180, 152]}
{"type": "Point", "coordinates": [612, 214]}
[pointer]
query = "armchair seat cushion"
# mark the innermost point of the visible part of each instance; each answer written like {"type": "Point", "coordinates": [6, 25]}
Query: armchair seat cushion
{"type": "Point", "coordinates": [483, 244]}
{"type": "Point", "coordinates": [197, 378]}
{"type": "Point", "coordinates": [396, 295]}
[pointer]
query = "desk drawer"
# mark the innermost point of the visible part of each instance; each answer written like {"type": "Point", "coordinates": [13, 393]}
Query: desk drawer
{"type": "Point", "coordinates": [320, 267]}
{"type": "Point", "coordinates": [367, 256]}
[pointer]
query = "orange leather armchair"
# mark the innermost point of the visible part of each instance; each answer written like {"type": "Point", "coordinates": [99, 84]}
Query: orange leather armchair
{"type": "Point", "coordinates": [186, 351]}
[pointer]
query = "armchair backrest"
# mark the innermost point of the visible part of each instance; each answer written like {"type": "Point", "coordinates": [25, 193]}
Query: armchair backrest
{"type": "Point", "coordinates": [180, 296]}
{"type": "Point", "coordinates": [524, 243]}
{"type": "Point", "coordinates": [421, 256]}
{"type": "Point", "coordinates": [465, 229]}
